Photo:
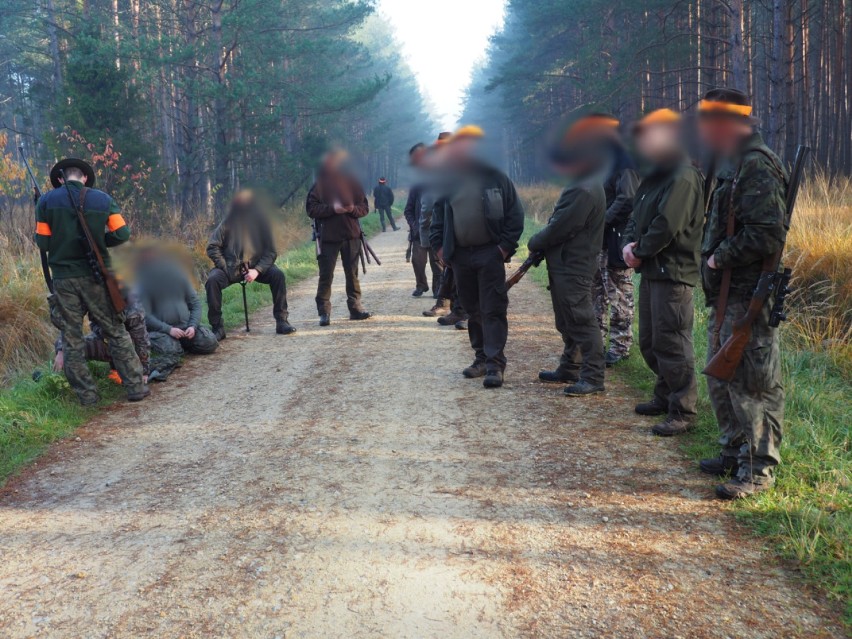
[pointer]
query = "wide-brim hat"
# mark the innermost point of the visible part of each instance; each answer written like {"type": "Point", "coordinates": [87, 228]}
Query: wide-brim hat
{"type": "Point", "coordinates": [72, 163]}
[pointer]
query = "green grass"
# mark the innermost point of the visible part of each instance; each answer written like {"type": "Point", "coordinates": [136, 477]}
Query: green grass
{"type": "Point", "coordinates": [35, 414]}
{"type": "Point", "coordinates": [807, 518]}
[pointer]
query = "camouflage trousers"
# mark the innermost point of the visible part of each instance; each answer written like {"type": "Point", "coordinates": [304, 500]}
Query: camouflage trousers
{"type": "Point", "coordinates": [750, 408]}
{"type": "Point", "coordinates": [166, 351]}
{"type": "Point", "coordinates": [612, 296]}
{"type": "Point", "coordinates": [76, 297]}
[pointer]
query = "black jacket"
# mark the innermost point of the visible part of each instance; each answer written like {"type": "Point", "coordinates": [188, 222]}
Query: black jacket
{"type": "Point", "coordinates": [226, 247]}
{"type": "Point", "coordinates": [505, 223]}
{"type": "Point", "coordinates": [382, 196]}
{"type": "Point", "coordinates": [412, 211]}
{"type": "Point", "coordinates": [573, 233]}
{"type": "Point", "coordinates": [620, 189]}
{"type": "Point", "coordinates": [331, 226]}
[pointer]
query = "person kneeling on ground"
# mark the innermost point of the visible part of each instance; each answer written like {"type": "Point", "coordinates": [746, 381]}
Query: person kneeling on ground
{"type": "Point", "coordinates": [571, 244]}
{"type": "Point", "coordinates": [172, 312]}
{"type": "Point", "coordinates": [242, 250]}
{"type": "Point", "coordinates": [662, 242]}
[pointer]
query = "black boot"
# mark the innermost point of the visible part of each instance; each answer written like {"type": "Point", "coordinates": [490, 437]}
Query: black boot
{"type": "Point", "coordinates": [325, 320]}
{"type": "Point", "coordinates": [720, 466]}
{"type": "Point", "coordinates": [283, 327]}
{"type": "Point", "coordinates": [583, 388]}
{"type": "Point", "coordinates": [219, 332]}
{"type": "Point", "coordinates": [557, 377]}
{"type": "Point", "coordinates": [652, 408]}
{"type": "Point", "coordinates": [360, 315]}
{"type": "Point", "coordinates": [493, 379]}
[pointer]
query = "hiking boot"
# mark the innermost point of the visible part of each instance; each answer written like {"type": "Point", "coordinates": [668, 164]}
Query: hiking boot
{"type": "Point", "coordinates": [450, 319]}
{"type": "Point", "coordinates": [673, 425]}
{"type": "Point", "coordinates": [612, 358]}
{"type": "Point", "coordinates": [493, 379]}
{"type": "Point", "coordinates": [283, 327]}
{"type": "Point", "coordinates": [138, 396]}
{"type": "Point", "coordinates": [719, 466]}
{"type": "Point", "coordinates": [440, 309]}
{"type": "Point", "coordinates": [557, 377]}
{"type": "Point", "coordinates": [358, 316]}
{"type": "Point", "coordinates": [477, 369]}
{"type": "Point", "coordinates": [90, 401]}
{"type": "Point", "coordinates": [653, 408]}
{"type": "Point", "coordinates": [461, 325]}
{"type": "Point", "coordinates": [739, 489]}
{"type": "Point", "coordinates": [418, 292]}
{"type": "Point", "coordinates": [582, 388]}
{"type": "Point", "coordinates": [219, 333]}
{"type": "Point", "coordinates": [325, 320]}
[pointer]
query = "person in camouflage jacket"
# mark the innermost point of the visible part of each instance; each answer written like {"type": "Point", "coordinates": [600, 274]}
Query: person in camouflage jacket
{"type": "Point", "coordinates": [752, 187]}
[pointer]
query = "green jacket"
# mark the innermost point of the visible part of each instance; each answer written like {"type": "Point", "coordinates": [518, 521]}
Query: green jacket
{"type": "Point", "coordinates": [58, 231]}
{"type": "Point", "coordinates": [759, 183]}
{"type": "Point", "coordinates": [571, 241]}
{"type": "Point", "coordinates": [668, 214]}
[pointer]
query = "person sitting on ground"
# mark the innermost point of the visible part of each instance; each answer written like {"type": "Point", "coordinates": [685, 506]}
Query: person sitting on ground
{"type": "Point", "coordinates": [95, 342]}
{"type": "Point", "coordinates": [242, 250]}
{"type": "Point", "coordinates": [383, 201]}
{"type": "Point", "coordinates": [172, 312]}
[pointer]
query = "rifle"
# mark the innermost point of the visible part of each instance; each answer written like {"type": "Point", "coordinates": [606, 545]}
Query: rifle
{"type": "Point", "coordinates": [367, 252]}
{"type": "Point", "coordinates": [244, 269]}
{"type": "Point", "coordinates": [410, 249]}
{"type": "Point", "coordinates": [316, 236]}
{"type": "Point", "coordinates": [724, 363]}
{"type": "Point", "coordinates": [535, 258]}
{"type": "Point", "coordinates": [45, 269]}
{"type": "Point", "coordinates": [99, 268]}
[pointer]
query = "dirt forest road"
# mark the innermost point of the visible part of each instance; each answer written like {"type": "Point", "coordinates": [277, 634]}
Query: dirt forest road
{"type": "Point", "coordinates": [348, 483]}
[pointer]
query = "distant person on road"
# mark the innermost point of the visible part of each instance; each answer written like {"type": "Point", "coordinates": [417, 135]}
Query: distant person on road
{"type": "Point", "coordinates": [475, 228]}
{"type": "Point", "coordinates": [662, 242]}
{"type": "Point", "coordinates": [383, 201]}
{"type": "Point", "coordinates": [336, 203]}
{"type": "Point", "coordinates": [79, 292]}
{"type": "Point", "coordinates": [172, 312]}
{"type": "Point", "coordinates": [242, 249]}
{"type": "Point", "coordinates": [571, 244]}
{"type": "Point", "coordinates": [751, 192]}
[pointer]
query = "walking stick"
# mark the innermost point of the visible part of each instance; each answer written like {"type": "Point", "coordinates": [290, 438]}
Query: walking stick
{"type": "Point", "coordinates": [243, 284]}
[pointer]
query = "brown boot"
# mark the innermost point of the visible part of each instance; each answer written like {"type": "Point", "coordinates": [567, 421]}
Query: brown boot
{"type": "Point", "coordinates": [673, 425]}
{"type": "Point", "coordinates": [477, 369]}
{"type": "Point", "coordinates": [451, 319]}
{"type": "Point", "coordinates": [720, 466]}
{"type": "Point", "coordinates": [441, 308]}
{"type": "Point", "coordinates": [739, 489]}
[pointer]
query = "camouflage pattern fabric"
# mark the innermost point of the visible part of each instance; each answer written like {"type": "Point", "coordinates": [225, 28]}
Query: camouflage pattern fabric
{"type": "Point", "coordinates": [612, 296]}
{"type": "Point", "coordinates": [750, 408]}
{"type": "Point", "coordinates": [78, 296]}
{"type": "Point", "coordinates": [167, 352]}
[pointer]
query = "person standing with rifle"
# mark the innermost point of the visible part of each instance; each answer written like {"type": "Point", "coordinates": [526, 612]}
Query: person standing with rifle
{"type": "Point", "coordinates": [744, 231]}
{"type": "Point", "coordinates": [383, 201]}
{"type": "Point", "coordinates": [336, 202]}
{"type": "Point", "coordinates": [662, 242]}
{"type": "Point", "coordinates": [75, 225]}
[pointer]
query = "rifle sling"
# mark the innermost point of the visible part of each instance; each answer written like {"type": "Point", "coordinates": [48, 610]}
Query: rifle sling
{"type": "Point", "coordinates": [725, 289]}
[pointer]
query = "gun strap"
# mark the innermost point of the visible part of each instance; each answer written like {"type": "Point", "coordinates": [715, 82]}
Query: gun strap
{"type": "Point", "coordinates": [725, 289]}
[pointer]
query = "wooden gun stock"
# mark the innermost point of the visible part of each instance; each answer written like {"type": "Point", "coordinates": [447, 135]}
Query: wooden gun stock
{"type": "Point", "coordinates": [534, 259]}
{"type": "Point", "coordinates": [723, 365]}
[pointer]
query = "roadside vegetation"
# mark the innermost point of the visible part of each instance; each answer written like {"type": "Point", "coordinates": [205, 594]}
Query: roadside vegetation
{"type": "Point", "coordinates": [808, 517]}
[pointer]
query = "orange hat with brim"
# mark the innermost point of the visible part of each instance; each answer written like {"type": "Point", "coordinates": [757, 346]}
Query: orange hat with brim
{"type": "Point", "coordinates": [660, 116]}
{"type": "Point", "coordinates": [719, 108]}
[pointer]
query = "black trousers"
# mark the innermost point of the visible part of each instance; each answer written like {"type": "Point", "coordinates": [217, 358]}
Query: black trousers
{"type": "Point", "coordinates": [480, 274]}
{"type": "Point", "coordinates": [582, 355]}
{"type": "Point", "coordinates": [348, 250]}
{"type": "Point", "coordinates": [449, 292]}
{"type": "Point", "coordinates": [218, 281]}
{"type": "Point", "coordinates": [666, 317]}
{"type": "Point", "coordinates": [386, 211]}
{"type": "Point", "coordinates": [420, 256]}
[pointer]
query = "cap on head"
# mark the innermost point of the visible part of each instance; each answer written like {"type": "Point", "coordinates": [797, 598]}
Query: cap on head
{"type": "Point", "coordinates": [72, 163]}
{"type": "Point", "coordinates": [730, 103]}
{"type": "Point", "coordinates": [383, 180]}
{"type": "Point", "coordinates": [469, 131]}
{"type": "Point", "coordinates": [416, 148]}
{"type": "Point", "coordinates": [660, 116]}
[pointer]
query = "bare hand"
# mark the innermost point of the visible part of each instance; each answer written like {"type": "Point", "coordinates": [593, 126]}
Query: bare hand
{"type": "Point", "coordinates": [251, 275]}
{"type": "Point", "coordinates": [340, 209]}
{"type": "Point", "coordinates": [144, 379]}
{"type": "Point", "coordinates": [712, 262]}
{"type": "Point", "coordinates": [629, 258]}
{"type": "Point", "coordinates": [190, 332]}
{"type": "Point", "coordinates": [59, 362]}
{"type": "Point", "coordinates": [175, 332]}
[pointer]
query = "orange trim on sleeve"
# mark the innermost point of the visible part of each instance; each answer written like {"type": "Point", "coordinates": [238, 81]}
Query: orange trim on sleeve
{"type": "Point", "coordinates": [115, 222]}
{"type": "Point", "coordinates": [43, 228]}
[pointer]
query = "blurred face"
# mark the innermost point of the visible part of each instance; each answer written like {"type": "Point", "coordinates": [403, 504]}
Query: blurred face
{"type": "Point", "coordinates": [461, 151]}
{"type": "Point", "coordinates": [723, 135]}
{"type": "Point", "coordinates": [659, 142]}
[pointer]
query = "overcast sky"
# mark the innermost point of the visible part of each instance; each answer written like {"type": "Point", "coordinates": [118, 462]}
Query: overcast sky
{"type": "Point", "coordinates": [442, 41]}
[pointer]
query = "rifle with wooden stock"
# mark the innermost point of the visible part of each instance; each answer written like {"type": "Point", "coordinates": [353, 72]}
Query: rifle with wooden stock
{"type": "Point", "coordinates": [535, 258]}
{"type": "Point", "coordinates": [723, 365]}
{"type": "Point", "coordinates": [99, 268]}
